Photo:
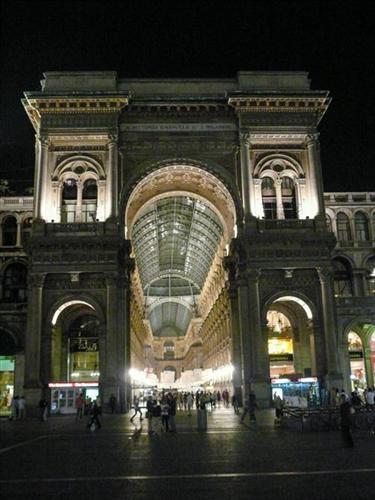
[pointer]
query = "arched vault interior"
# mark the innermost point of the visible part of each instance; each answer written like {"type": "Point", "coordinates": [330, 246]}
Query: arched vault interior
{"type": "Point", "coordinates": [174, 241]}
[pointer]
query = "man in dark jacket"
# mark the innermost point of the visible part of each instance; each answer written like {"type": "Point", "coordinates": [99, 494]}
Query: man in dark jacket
{"type": "Point", "coordinates": [346, 421]}
{"type": "Point", "coordinates": [251, 405]}
{"type": "Point", "coordinates": [95, 411]}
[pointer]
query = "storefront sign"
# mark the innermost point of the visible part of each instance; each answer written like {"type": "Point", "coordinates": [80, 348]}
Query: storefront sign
{"type": "Point", "coordinates": [84, 344]}
{"type": "Point", "coordinates": [57, 385]}
{"type": "Point", "coordinates": [355, 354]}
{"type": "Point", "coordinates": [281, 357]}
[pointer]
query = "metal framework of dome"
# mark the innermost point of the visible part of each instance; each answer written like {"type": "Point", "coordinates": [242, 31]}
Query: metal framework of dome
{"type": "Point", "coordinates": [175, 240]}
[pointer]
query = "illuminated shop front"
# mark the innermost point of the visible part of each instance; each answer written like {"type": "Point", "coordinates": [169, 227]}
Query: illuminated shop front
{"type": "Point", "coordinates": [302, 392]}
{"type": "Point", "coordinates": [356, 360]}
{"type": "Point", "coordinates": [7, 380]}
{"type": "Point", "coordinates": [280, 345]}
{"type": "Point", "coordinates": [372, 354]}
{"type": "Point", "coordinates": [84, 359]}
{"type": "Point", "coordinates": [64, 395]}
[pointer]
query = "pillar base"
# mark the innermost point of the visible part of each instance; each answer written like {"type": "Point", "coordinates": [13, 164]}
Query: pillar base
{"type": "Point", "coordinates": [33, 396]}
{"type": "Point", "coordinates": [262, 391]}
{"type": "Point", "coordinates": [333, 380]}
{"type": "Point", "coordinates": [122, 393]}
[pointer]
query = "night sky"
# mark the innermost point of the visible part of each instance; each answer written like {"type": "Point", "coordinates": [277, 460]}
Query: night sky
{"type": "Point", "coordinates": [332, 40]}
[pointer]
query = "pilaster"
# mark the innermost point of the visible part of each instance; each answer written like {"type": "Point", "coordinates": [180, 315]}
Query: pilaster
{"type": "Point", "coordinates": [334, 377]}
{"type": "Point", "coordinates": [33, 338]}
{"type": "Point", "coordinates": [316, 200]}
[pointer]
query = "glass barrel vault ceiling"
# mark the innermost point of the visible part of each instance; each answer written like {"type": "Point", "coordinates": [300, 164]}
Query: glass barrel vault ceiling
{"type": "Point", "coordinates": [174, 241]}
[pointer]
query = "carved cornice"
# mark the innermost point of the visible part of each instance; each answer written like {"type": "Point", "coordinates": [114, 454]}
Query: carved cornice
{"type": "Point", "coordinates": [281, 104]}
{"type": "Point", "coordinates": [37, 106]}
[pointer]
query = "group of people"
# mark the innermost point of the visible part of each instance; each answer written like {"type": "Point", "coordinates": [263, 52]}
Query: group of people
{"type": "Point", "coordinates": [364, 399]}
{"type": "Point", "coordinates": [188, 400]}
{"type": "Point", "coordinates": [18, 408]}
{"type": "Point", "coordinates": [161, 408]}
{"type": "Point", "coordinates": [91, 409]}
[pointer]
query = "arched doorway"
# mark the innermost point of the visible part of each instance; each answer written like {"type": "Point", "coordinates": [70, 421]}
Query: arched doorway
{"type": "Point", "coordinates": [180, 220]}
{"type": "Point", "coordinates": [8, 352]}
{"type": "Point", "coordinates": [76, 351]}
{"type": "Point", "coordinates": [357, 368]}
{"type": "Point", "coordinates": [291, 351]}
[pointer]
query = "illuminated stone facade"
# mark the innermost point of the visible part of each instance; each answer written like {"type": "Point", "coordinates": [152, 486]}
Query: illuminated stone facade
{"type": "Point", "coordinates": [169, 218]}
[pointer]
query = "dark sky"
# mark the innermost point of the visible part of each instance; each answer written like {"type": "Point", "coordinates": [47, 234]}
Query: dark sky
{"type": "Point", "coordinates": [332, 40]}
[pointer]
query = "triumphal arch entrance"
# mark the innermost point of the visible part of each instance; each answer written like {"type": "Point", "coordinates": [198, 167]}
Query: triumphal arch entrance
{"type": "Point", "coordinates": [179, 237]}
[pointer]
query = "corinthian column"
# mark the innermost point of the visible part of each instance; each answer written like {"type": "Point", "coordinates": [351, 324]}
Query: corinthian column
{"type": "Point", "coordinates": [112, 177]}
{"type": "Point", "coordinates": [245, 173]}
{"type": "Point", "coordinates": [316, 201]}
{"type": "Point", "coordinates": [41, 177]}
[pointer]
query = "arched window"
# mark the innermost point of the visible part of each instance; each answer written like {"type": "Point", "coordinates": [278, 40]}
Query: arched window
{"type": "Point", "coordinates": [15, 283]}
{"type": "Point", "coordinates": [26, 230]}
{"type": "Point", "coordinates": [370, 266]}
{"type": "Point", "coordinates": [288, 194]}
{"type": "Point", "coordinates": [361, 227]}
{"type": "Point", "coordinates": [89, 200]}
{"type": "Point", "coordinates": [343, 227]}
{"type": "Point", "coordinates": [328, 223]}
{"type": "Point", "coordinates": [69, 201]}
{"type": "Point", "coordinates": [269, 198]}
{"type": "Point", "coordinates": [342, 278]}
{"type": "Point", "coordinates": [169, 350]}
{"type": "Point", "coordinates": [9, 231]}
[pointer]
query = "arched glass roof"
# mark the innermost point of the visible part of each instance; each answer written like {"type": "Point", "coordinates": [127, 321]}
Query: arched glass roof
{"type": "Point", "coordinates": [174, 241]}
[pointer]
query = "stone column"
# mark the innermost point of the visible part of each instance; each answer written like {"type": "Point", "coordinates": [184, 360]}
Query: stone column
{"type": "Point", "coordinates": [123, 341]}
{"type": "Point", "coordinates": [368, 366]}
{"type": "Point", "coordinates": [245, 173]}
{"type": "Point", "coordinates": [260, 381]}
{"type": "Point", "coordinates": [46, 356]}
{"type": "Point", "coordinates": [78, 214]}
{"type": "Point", "coordinates": [42, 209]}
{"type": "Point", "coordinates": [236, 341]}
{"type": "Point", "coordinates": [279, 200]}
{"type": "Point", "coordinates": [33, 339]}
{"type": "Point", "coordinates": [109, 371]}
{"type": "Point", "coordinates": [258, 210]}
{"type": "Point", "coordinates": [334, 377]}
{"type": "Point", "coordinates": [246, 354]}
{"type": "Point", "coordinates": [254, 353]}
{"type": "Point", "coordinates": [315, 175]}
{"type": "Point", "coordinates": [112, 177]}
{"type": "Point", "coordinates": [18, 238]}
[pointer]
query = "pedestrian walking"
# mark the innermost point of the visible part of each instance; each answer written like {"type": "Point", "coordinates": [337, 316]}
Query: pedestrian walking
{"type": "Point", "coordinates": [165, 414]}
{"type": "Point", "coordinates": [80, 404]}
{"type": "Point", "coordinates": [21, 408]}
{"type": "Point", "coordinates": [189, 402]}
{"type": "Point", "coordinates": [235, 404]}
{"type": "Point", "coordinates": [370, 398]}
{"type": "Point", "coordinates": [156, 417]}
{"type": "Point", "coordinates": [346, 412]}
{"type": "Point", "coordinates": [279, 405]}
{"type": "Point", "coordinates": [112, 403]}
{"type": "Point", "coordinates": [14, 408]}
{"type": "Point", "coordinates": [172, 412]}
{"type": "Point", "coordinates": [250, 407]}
{"type": "Point", "coordinates": [94, 420]}
{"type": "Point", "coordinates": [43, 409]}
{"type": "Point", "coordinates": [137, 409]}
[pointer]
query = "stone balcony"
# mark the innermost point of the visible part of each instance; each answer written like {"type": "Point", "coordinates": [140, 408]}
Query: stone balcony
{"type": "Point", "coordinates": [16, 204]}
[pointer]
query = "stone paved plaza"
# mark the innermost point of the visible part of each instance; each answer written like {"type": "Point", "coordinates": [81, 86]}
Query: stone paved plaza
{"type": "Point", "coordinates": [63, 459]}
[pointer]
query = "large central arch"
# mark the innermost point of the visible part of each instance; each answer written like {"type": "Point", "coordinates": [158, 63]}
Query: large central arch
{"type": "Point", "coordinates": [196, 206]}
